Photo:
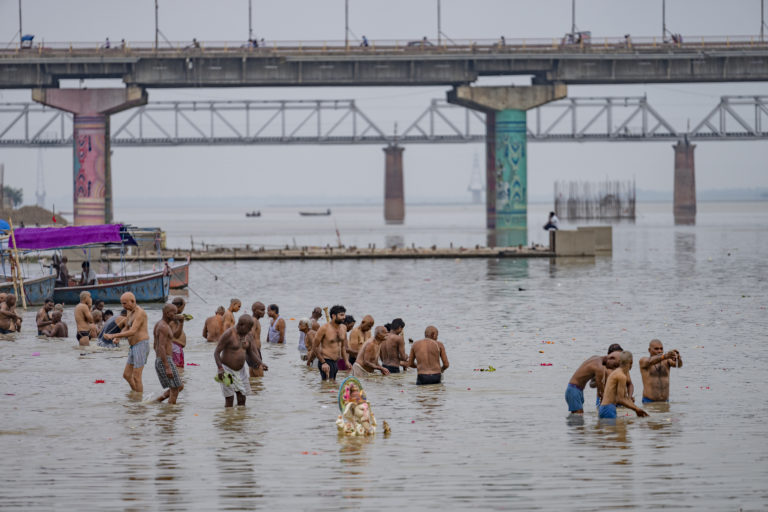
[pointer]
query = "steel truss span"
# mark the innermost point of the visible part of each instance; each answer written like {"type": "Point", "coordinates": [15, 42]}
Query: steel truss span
{"type": "Point", "coordinates": [325, 122]}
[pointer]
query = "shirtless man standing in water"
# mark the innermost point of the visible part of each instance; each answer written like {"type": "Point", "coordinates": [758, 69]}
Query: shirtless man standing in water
{"type": "Point", "coordinates": [426, 356]}
{"type": "Point", "coordinates": [358, 337]}
{"type": "Point", "coordinates": [229, 315]}
{"type": "Point", "coordinates": [214, 326]}
{"type": "Point", "coordinates": [258, 309]}
{"type": "Point", "coordinates": [164, 364]}
{"type": "Point", "coordinates": [655, 372]}
{"type": "Point", "coordinates": [593, 368]}
{"type": "Point", "coordinates": [43, 318]}
{"type": "Point", "coordinates": [234, 347]}
{"type": "Point", "coordinates": [84, 319]}
{"type": "Point", "coordinates": [368, 356]}
{"type": "Point", "coordinates": [615, 392]}
{"type": "Point", "coordinates": [317, 314]}
{"type": "Point", "coordinates": [329, 344]}
{"type": "Point", "coordinates": [393, 354]}
{"type": "Point", "coordinates": [138, 338]}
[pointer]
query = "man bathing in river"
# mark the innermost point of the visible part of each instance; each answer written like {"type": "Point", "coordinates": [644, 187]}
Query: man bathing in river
{"type": "Point", "coordinates": [179, 337]}
{"type": "Point", "coordinates": [393, 354]}
{"type": "Point", "coordinates": [234, 347]}
{"type": "Point", "coordinates": [306, 339]}
{"type": "Point", "coordinates": [164, 363]}
{"type": "Point", "coordinates": [368, 356]}
{"type": "Point", "coordinates": [358, 336]}
{"type": "Point", "coordinates": [258, 309]}
{"type": "Point", "coordinates": [84, 319]}
{"type": "Point", "coordinates": [112, 326]}
{"type": "Point", "coordinates": [276, 331]}
{"type": "Point", "coordinates": [57, 329]}
{"type": "Point", "coordinates": [614, 347]}
{"type": "Point", "coordinates": [592, 368]}
{"type": "Point", "coordinates": [43, 318]}
{"type": "Point", "coordinates": [229, 315]}
{"type": "Point", "coordinates": [138, 338]}
{"type": "Point", "coordinates": [317, 314]}
{"type": "Point", "coordinates": [9, 320]}
{"type": "Point", "coordinates": [426, 356]}
{"type": "Point", "coordinates": [329, 344]}
{"type": "Point", "coordinates": [655, 372]}
{"type": "Point", "coordinates": [615, 392]}
{"type": "Point", "coordinates": [214, 326]}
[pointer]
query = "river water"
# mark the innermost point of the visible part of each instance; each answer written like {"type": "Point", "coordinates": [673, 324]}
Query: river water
{"type": "Point", "coordinates": [491, 440]}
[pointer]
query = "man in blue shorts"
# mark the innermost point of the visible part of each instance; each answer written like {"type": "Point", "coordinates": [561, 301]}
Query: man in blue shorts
{"type": "Point", "coordinates": [593, 368]}
{"type": "Point", "coordinates": [137, 334]}
{"type": "Point", "coordinates": [615, 392]}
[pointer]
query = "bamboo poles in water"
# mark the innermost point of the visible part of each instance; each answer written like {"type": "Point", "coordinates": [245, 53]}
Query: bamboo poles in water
{"type": "Point", "coordinates": [18, 279]}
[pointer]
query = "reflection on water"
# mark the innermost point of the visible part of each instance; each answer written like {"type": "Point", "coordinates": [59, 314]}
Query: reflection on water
{"type": "Point", "coordinates": [490, 440]}
{"type": "Point", "coordinates": [507, 237]}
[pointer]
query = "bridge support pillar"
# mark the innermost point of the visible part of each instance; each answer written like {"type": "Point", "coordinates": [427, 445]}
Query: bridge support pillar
{"type": "Point", "coordinates": [506, 156]}
{"type": "Point", "coordinates": [394, 189]}
{"type": "Point", "coordinates": [685, 183]}
{"type": "Point", "coordinates": [92, 191]}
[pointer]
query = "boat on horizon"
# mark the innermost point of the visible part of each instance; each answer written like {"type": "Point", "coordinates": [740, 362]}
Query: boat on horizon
{"type": "Point", "coordinates": [315, 214]}
{"type": "Point", "coordinates": [253, 214]}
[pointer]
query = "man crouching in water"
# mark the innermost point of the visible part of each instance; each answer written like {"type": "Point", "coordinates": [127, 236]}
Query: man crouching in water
{"type": "Point", "coordinates": [426, 356]}
{"type": "Point", "coordinates": [615, 392]}
{"type": "Point", "coordinates": [164, 365]}
{"type": "Point", "coordinates": [138, 339]}
{"type": "Point", "coordinates": [234, 347]}
{"type": "Point", "coordinates": [368, 357]}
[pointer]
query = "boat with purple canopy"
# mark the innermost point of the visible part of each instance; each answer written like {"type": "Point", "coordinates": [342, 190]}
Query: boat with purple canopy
{"type": "Point", "coordinates": [147, 288]}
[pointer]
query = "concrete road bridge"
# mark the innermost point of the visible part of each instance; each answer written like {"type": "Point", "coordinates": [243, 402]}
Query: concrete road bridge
{"type": "Point", "coordinates": [552, 64]}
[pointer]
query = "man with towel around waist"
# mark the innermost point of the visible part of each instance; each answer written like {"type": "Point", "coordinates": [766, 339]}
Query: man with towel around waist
{"type": "Point", "coordinates": [368, 357]}
{"type": "Point", "coordinates": [234, 347]}
{"type": "Point", "coordinates": [593, 368]}
{"type": "Point", "coordinates": [426, 356]}
{"type": "Point", "coordinates": [138, 338]}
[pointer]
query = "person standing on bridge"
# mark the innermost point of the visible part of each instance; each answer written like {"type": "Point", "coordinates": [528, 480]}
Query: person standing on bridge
{"type": "Point", "coordinates": [365, 42]}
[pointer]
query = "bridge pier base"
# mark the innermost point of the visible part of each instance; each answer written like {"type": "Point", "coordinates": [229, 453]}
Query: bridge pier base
{"type": "Point", "coordinates": [506, 156]}
{"type": "Point", "coordinates": [394, 188]}
{"type": "Point", "coordinates": [685, 184]}
{"type": "Point", "coordinates": [92, 190]}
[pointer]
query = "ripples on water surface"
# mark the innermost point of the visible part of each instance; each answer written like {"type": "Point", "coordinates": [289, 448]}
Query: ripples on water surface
{"type": "Point", "coordinates": [495, 440]}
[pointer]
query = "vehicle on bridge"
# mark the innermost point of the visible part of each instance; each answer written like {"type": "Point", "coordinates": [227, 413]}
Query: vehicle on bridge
{"type": "Point", "coordinates": [577, 38]}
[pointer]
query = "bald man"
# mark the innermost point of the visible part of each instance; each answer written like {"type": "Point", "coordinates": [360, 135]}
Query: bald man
{"type": "Point", "coordinates": [214, 326]}
{"type": "Point", "coordinates": [258, 311]}
{"type": "Point", "coordinates": [137, 334]}
{"type": "Point", "coordinates": [164, 363]}
{"type": "Point", "coordinates": [429, 358]}
{"type": "Point", "coordinates": [368, 357]}
{"type": "Point", "coordinates": [229, 315]}
{"type": "Point", "coordinates": [655, 371]}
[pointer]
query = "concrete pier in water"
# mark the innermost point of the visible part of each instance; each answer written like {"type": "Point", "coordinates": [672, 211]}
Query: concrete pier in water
{"type": "Point", "coordinates": [685, 183]}
{"type": "Point", "coordinates": [506, 153]}
{"type": "Point", "coordinates": [394, 188]}
{"type": "Point", "coordinates": [90, 134]}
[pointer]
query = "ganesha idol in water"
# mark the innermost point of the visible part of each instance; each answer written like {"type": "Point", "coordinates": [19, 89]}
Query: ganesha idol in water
{"type": "Point", "coordinates": [356, 418]}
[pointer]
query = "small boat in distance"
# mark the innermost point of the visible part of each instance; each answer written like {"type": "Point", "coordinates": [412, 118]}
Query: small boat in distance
{"type": "Point", "coordinates": [253, 214]}
{"type": "Point", "coordinates": [315, 214]}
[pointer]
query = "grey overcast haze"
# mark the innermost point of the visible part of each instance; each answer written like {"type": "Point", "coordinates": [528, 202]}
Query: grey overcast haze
{"type": "Point", "coordinates": [278, 174]}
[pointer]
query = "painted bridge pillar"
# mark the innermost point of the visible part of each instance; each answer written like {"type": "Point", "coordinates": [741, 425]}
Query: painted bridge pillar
{"type": "Point", "coordinates": [506, 155]}
{"type": "Point", "coordinates": [685, 183]}
{"type": "Point", "coordinates": [92, 191]}
{"type": "Point", "coordinates": [394, 188]}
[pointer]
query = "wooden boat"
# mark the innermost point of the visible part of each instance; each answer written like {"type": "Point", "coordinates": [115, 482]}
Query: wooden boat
{"type": "Point", "coordinates": [315, 214]}
{"type": "Point", "coordinates": [253, 214]}
{"type": "Point", "coordinates": [36, 290]}
{"type": "Point", "coordinates": [148, 288]}
{"type": "Point", "coordinates": [179, 275]}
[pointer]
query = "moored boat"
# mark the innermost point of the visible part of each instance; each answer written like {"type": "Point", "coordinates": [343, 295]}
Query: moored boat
{"type": "Point", "coordinates": [148, 288]}
{"type": "Point", "coordinates": [179, 275]}
{"type": "Point", "coordinates": [36, 290]}
{"type": "Point", "coordinates": [315, 214]}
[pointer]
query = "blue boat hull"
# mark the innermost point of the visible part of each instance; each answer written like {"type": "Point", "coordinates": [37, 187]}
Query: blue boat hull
{"type": "Point", "coordinates": [36, 290]}
{"type": "Point", "coordinates": [152, 288]}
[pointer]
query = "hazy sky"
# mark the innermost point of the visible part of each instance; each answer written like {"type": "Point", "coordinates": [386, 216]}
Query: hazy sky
{"type": "Point", "coordinates": [432, 172]}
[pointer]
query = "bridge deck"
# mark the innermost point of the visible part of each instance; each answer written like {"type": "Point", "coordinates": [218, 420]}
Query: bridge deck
{"type": "Point", "coordinates": [604, 61]}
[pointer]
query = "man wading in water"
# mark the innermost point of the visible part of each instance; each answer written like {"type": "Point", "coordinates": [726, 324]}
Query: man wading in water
{"type": "Point", "coordinates": [655, 372]}
{"type": "Point", "coordinates": [164, 365]}
{"type": "Point", "coordinates": [368, 356]}
{"type": "Point", "coordinates": [138, 337]}
{"type": "Point", "coordinates": [426, 356]}
{"type": "Point", "coordinates": [234, 347]}
{"type": "Point", "coordinates": [329, 344]}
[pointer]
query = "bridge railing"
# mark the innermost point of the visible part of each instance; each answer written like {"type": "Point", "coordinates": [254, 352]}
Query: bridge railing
{"type": "Point", "coordinates": [389, 46]}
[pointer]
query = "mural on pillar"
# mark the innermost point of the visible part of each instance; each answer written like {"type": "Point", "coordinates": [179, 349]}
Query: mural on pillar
{"type": "Point", "coordinates": [89, 169]}
{"type": "Point", "coordinates": [511, 171]}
